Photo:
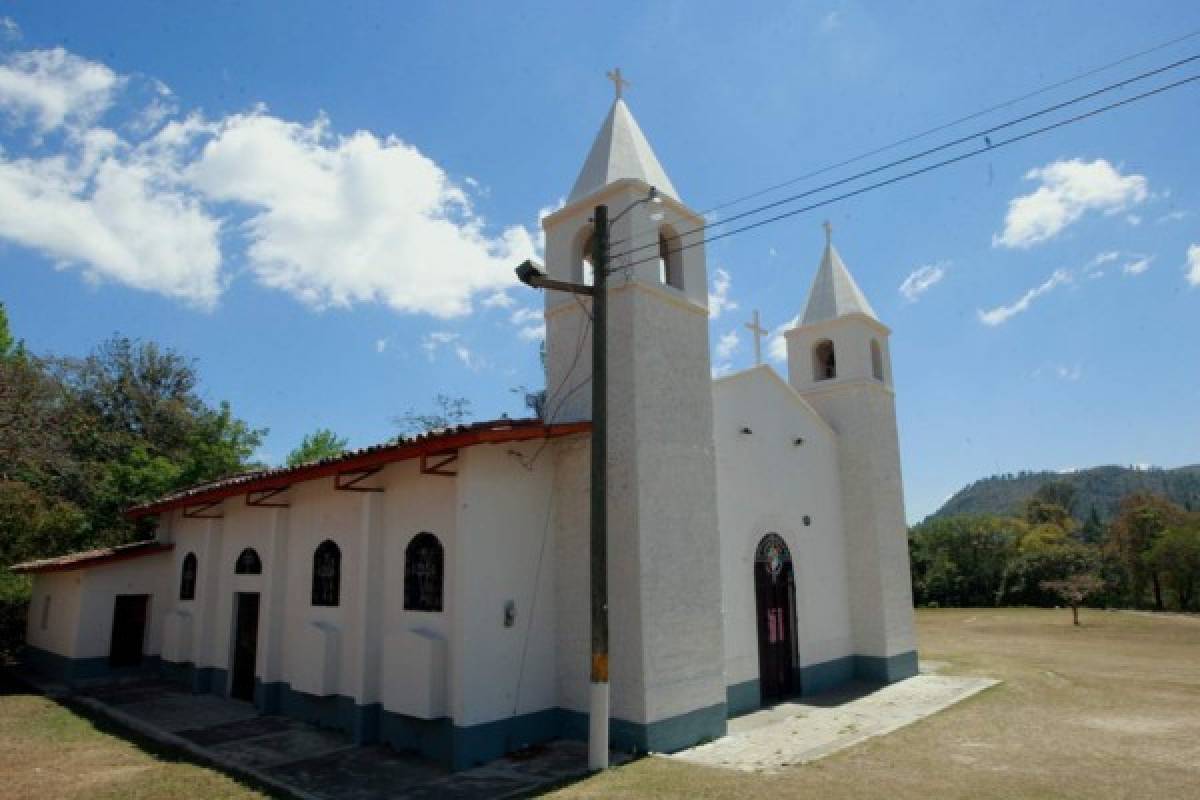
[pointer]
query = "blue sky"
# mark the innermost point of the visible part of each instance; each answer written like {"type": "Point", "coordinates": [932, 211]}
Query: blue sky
{"type": "Point", "coordinates": [323, 206]}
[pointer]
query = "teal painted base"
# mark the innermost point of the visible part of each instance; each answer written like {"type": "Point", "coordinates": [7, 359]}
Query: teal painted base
{"type": "Point", "coordinates": [78, 671]}
{"type": "Point", "coordinates": [744, 698]}
{"type": "Point", "coordinates": [878, 669]}
{"type": "Point", "coordinates": [662, 736]}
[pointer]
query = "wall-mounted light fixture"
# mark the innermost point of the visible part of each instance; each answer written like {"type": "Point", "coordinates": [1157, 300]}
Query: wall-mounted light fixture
{"type": "Point", "coordinates": [746, 431]}
{"type": "Point", "coordinates": [807, 520]}
{"type": "Point", "coordinates": [799, 440]}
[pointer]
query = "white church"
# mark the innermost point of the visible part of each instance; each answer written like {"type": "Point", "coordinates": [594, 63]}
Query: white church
{"type": "Point", "coordinates": [433, 593]}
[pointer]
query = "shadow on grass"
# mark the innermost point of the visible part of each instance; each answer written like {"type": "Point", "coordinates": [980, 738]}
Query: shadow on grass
{"type": "Point", "coordinates": [12, 685]}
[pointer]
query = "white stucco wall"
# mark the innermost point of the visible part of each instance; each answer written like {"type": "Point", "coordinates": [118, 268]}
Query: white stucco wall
{"type": "Point", "coordinates": [62, 624]}
{"type": "Point", "coordinates": [767, 484]}
{"type": "Point", "coordinates": [506, 554]}
{"type": "Point", "coordinates": [98, 589]}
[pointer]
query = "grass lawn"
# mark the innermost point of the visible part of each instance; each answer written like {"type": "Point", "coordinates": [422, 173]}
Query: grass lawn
{"type": "Point", "coordinates": [49, 751]}
{"type": "Point", "coordinates": [1109, 709]}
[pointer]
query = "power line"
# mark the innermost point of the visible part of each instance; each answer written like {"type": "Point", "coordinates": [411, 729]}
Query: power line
{"type": "Point", "coordinates": [930, 131]}
{"type": "Point", "coordinates": [930, 151]}
{"type": "Point", "coordinates": [925, 169]}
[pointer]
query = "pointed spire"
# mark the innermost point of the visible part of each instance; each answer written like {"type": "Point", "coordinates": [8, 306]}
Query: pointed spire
{"type": "Point", "coordinates": [834, 292]}
{"type": "Point", "coordinates": [620, 151]}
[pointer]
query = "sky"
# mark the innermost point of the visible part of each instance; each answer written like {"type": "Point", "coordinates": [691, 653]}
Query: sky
{"type": "Point", "coordinates": [323, 207]}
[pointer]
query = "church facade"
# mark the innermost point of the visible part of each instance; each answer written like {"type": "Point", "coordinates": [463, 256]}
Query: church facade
{"type": "Point", "coordinates": [432, 593]}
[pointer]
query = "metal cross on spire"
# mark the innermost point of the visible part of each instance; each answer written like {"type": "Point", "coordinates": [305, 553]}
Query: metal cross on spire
{"type": "Point", "coordinates": [828, 226]}
{"type": "Point", "coordinates": [759, 331]}
{"type": "Point", "coordinates": [619, 82]}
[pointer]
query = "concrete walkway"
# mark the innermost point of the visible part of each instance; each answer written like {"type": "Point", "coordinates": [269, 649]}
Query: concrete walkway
{"type": "Point", "coordinates": [798, 732]}
{"type": "Point", "coordinates": [295, 759]}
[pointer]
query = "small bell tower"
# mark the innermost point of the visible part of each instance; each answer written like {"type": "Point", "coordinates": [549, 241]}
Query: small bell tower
{"type": "Point", "coordinates": [838, 359]}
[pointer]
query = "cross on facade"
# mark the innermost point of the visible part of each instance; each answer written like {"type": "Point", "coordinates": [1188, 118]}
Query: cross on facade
{"type": "Point", "coordinates": [619, 82]}
{"type": "Point", "coordinates": [759, 331]}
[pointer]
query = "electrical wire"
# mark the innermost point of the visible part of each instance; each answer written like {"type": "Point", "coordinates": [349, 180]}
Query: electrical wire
{"type": "Point", "coordinates": [982, 134]}
{"type": "Point", "coordinates": [929, 131]}
{"type": "Point", "coordinates": [922, 170]}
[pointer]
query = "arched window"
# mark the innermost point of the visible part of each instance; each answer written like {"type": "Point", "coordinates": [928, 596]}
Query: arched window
{"type": "Point", "coordinates": [187, 578]}
{"type": "Point", "coordinates": [670, 258]}
{"type": "Point", "coordinates": [824, 361]}
{"type": "Point", "coordinates": [583, 270]}
{"type": "Point", "coordinates": [327, 574]}
{"type": "Point", "coordinates": [876, 360]}
{"type": "Point", "coordinates": [423, 562]}
{"type": "Point", "coordinates": [248, 563]}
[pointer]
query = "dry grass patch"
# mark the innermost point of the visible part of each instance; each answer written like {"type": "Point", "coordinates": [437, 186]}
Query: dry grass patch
{"type": "Point", "coordinates": [1109, 709]}
{"type": "Point", "coordinates": [50, 751]}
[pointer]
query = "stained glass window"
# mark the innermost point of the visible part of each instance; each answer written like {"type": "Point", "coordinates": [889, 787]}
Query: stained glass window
{"type": "Point", "coordinates": [187, 578]}
{"type": "Point", "coordinates": [773, 552]}
{"type": "Point", "coordinates": [327, 574]}
{"type": "Point", "coordinates": [248, 563]}
{"type": "Point", "coordinates": [423, 562]}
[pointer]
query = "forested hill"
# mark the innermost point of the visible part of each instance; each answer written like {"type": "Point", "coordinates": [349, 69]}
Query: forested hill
{"type": "Point", "coordinates": [1099, 487]}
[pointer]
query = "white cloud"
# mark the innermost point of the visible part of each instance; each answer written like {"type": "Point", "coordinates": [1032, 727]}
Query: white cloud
{"type": "Point", "coordinates": [1193, 269]}
{"type": "Point", "coordinates": [531, 323]}
{"type": "Point", "coordinates": [1173, 216]}
{"type": "Point", "coordinates": [726, 345]}
{"type": "Point", "coordinates": [1069, 373]}
{"type": "Point", "coordinates": [381, 345]}
{"type": "Point", "coordinates": [52, 88]}
{"type": "Point", "coordinates": [431, 342]}
{"type": "Point", "coordinates": [1139, 265]}
{"type": "Point", "coordinates": [9, 29]}
{"type": "Point", "coordinates": [1068, 190]}
{"type": "Point", "coordinates": [922, 280]}
{"type": "Point", "coordinates": [1001, 314]}
{"type": "Point", "coordinates": [119, 213]}
{"type": "Point", "coordinates": [340, 220]}
{"type": "Point", "coordinates": [1133, 219]}
{"type": "Point", "coordinates": [465, 356]}
{"type": "Point", "coordinates": [332, 220]}
{"type": "Point", "coordinates": [718, 294]}
{"type": "Point", "coordinates": [777, 345]}
{"type": "Point", "coordinates": [498, 300]}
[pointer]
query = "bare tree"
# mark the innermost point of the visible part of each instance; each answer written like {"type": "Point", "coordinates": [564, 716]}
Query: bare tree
{"type": "Point", "coordinates": [1074, 590]}
{"type": "Point", "coordinates": [449, 412]}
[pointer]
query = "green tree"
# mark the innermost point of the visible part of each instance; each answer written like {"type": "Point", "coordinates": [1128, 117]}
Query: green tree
{"type": "Point", "coordinates": [322, 443]}
{"type": "Point", "coordinates": [961, 561]}
{"type": "Point", "coordinates": [1141, 520]}
{"type": "Point", "coordinates": [1176, 556]}
{"type": "Point", "coordinates": [7, 345]}
{"type": "Point", "coordinates": [1093, 531]}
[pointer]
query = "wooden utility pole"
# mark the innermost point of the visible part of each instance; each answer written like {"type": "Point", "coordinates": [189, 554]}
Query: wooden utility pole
{"type": "Point", "coordinates": [599, 704]}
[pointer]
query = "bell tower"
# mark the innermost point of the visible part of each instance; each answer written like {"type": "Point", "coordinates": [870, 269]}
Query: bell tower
{"type": "Point", "coordinates": [838, 359]}
{"type": "Point", "coordinates": [664, 585]}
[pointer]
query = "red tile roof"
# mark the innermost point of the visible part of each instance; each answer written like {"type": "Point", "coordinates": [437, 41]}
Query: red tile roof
{"type": "Point", "coordinates": [92, 558]}
{"type": "Point", "coordinates": [436, 442]}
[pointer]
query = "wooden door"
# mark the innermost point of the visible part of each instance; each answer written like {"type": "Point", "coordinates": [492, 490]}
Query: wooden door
{"type": "Point", "coordinates": [128, 630]}
{"type": "Point", "coordinates": [245, 646]}
{"type": "Point", "coordinates": [775, 606]}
